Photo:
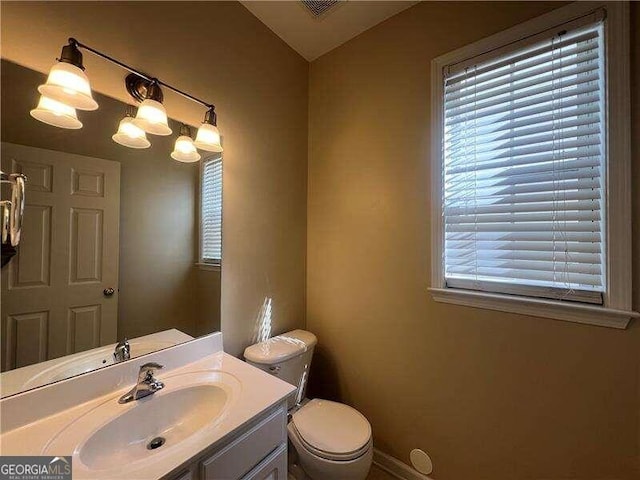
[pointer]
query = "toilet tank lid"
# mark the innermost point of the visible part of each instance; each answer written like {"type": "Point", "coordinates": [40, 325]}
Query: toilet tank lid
{"type": "Point", "coordinates": [280, 348]}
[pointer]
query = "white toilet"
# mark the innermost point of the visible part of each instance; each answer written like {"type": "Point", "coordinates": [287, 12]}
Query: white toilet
{"type": "Point", "coordinates": [332, 440]}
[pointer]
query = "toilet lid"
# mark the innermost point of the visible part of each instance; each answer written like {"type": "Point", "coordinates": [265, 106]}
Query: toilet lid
{"type": "Point", "coordinates": [332, 427]}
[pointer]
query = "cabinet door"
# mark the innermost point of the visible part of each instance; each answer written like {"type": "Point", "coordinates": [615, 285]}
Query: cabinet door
{"type": "Point", "coordinates": [248, 450]}
{"type": "Point", "coordinates": [274, 467]}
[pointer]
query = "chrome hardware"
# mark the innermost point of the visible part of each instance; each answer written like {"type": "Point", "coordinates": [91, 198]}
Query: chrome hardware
{"type": "Point", "coordinates": [12, 222]}
{"type": "Point", "coordinates": [156, 443]}
{"type": "Point", "coordinates": [108, 292]}
{"type": "Point", "coordinates": [147, 383]}
{"type": "Point", "coordinates": [122, 351]}
{"type": "Point", "coordinates": [6, 220]}
{"type": "Point", "coordinates": [17, 207]}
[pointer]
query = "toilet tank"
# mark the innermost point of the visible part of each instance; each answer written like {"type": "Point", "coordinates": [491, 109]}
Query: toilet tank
{"type": "Point", "coordinates": [288, 357]}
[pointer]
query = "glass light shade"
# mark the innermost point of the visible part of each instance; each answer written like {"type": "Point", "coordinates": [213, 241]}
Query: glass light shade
{"type": "Point", "coordinates": [152, 118]}
{"type": "Point", "coordinates": [185, 150]}
{"type": "Point", "coordinates": [208, 138]}
{"type": "Point", "coordinates": [69, 84]}
{"type": "Point", "coordinates": [130, 135]}
{"type": "Point", "coordinates": [56, 113]}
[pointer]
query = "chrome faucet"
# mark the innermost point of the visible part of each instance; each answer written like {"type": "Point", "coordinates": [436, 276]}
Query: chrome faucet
{"type": "Point", "coordinates": [122, 351]}
{"type": "Point", "coordinates": [147, 383]}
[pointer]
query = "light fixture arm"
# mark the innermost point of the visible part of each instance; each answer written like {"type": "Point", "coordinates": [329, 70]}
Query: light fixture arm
{"type": "Point", "coordinates": [76, 43]}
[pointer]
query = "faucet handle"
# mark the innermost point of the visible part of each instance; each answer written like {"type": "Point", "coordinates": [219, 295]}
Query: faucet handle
{"type": "Point", "coordinates": [148, 369]}
{"type": "Point", "coordinates": [151, 366]}
{"type": "Point", "coordinates": [122, 351]}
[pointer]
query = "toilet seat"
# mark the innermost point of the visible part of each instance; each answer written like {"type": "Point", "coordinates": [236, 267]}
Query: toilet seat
{"type": "Point", "coordinates": [332, 430]}
{"type": "Point", "coordinates": [336, 457]}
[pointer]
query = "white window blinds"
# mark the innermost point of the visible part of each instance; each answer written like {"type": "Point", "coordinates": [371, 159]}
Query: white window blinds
{"type": "Point", "coordinates": [523, 175]}
{"type": "Point", "coordinates": [211, 212]}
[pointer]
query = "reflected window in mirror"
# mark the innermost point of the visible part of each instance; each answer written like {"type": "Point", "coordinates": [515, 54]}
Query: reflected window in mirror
{"type": "Point", "coordinates": [211, 212]}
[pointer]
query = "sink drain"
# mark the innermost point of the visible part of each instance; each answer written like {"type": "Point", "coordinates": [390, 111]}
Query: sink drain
{"type": "Point", "coordinates": [156, 443]}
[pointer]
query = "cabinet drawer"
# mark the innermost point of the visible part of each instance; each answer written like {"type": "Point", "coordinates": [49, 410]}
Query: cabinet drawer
{"type": "Point", "coordinates": [274, 467]}
{"type": "Point", "coordinates": [244, 453]}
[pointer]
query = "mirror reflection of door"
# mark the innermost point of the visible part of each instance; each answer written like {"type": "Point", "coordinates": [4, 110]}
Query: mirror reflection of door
{"type": "Point", "coordinates": [56, 297]}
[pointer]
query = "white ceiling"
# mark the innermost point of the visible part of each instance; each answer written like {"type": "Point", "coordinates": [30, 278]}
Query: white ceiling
{"type": "Point", "coordinates": [312, 37]}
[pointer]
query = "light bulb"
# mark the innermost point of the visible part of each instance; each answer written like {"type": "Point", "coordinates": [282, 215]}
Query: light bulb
{"type": "Point", "coordinates": [185, 150]}
{"type": "Point", "coordinates": [208, 138]}
{"type": "Point", "coordinates": [67, 83]}
{"type": "Point", "coordinates": [56, 113]}
{"type": "Point", "coordinates": [152, 118]}
{"type": "Point", "coordinates": [130, 135]}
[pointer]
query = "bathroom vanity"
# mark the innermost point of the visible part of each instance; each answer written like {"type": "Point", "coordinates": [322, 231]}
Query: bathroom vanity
{"type": "Point", "coordinates": [256, 452]}
{"type": "Point", "coordinates": [216, 418]}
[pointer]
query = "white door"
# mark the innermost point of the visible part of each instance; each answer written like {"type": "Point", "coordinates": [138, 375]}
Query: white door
{"type": "Point", "coordinates": [55, 291]}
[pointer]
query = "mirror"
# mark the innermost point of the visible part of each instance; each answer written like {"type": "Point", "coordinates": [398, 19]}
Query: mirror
{"type": "Point", "coordinates": [109, 245]}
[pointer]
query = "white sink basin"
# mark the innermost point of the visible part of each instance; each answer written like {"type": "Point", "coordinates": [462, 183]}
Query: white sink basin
{"type": "Point", "coordinates": [113, 434]}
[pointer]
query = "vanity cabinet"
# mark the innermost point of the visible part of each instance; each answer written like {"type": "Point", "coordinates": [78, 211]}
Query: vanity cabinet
{"type": "Point", "coordinates": [221, 419]}
{"type": "Point", "coordinates": [257, 452]}
{"type": "Point", "coordinates": [274, 467]}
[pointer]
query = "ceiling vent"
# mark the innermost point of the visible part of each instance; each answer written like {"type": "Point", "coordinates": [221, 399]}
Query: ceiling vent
{"type": "Point", "coordinates": [317, 8]}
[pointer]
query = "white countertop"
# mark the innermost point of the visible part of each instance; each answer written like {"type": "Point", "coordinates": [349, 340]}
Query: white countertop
{"type": "Point", "coordinates": [254, 392]}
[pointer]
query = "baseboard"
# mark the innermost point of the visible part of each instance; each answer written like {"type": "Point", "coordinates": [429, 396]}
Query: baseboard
{"type": "Point", "coordinates": [395, 467]}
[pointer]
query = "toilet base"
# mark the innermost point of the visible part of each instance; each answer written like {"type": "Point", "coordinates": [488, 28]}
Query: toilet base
{"type": "Point", "coordinates": [296, 472]}
{"type": "Point", "coordinates": [305, 465]}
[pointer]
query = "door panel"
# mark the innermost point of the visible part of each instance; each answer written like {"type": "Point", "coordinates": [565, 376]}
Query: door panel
{"type": "Point", "coordinates": [87, 183]}
{"type": "Point", "coordinates": [86, 245]}
{"type": "Point", "coordinates": [39, 174]}
{"type": "Point", "coordinates": [67, 256]}
{"type": "Point", "coordinates": [31, 265]}
{"type": "Point", "coordinates": [84, 327]}
{"type": "Point", "coordinates": [26, 338]}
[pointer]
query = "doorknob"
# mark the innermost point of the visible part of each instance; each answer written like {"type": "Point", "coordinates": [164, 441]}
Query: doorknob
{"type": "Point", "coordinates": [108, 292]}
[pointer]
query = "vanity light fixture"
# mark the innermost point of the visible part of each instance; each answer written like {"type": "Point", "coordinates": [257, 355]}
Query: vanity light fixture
{"type": "Point", "coordinates": [56, 113]}
{"type": "Point", "coordinates": [185, 150]}
{"type": "Point", "coordinates": [129, 134]}
{"type": "Point", "coordinates": [67, 82]}
{"type": "Point", "coordinates": [67, 88]}
{"type": "Point", "coordinates": [208, 137]}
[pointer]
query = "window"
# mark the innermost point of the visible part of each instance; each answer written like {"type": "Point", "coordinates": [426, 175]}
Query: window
{"type": "Point", "coordinates": [525, 153]}
{"type": "Point", "coordinates": [523, 170]}
{"type": "Point", "coordinates": [211, 212]}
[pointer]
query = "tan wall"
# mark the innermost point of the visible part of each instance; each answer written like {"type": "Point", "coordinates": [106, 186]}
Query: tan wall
{"type": "Point", "coordinates": [489, 395]}
{"type": "Point", "coordinates": [221, 52]}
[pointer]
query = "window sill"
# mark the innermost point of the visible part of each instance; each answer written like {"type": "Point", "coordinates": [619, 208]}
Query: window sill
{"type": "Point", "coordinates": [559, 310]}
{"type": "Point", "coordinates": [209, 266]}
